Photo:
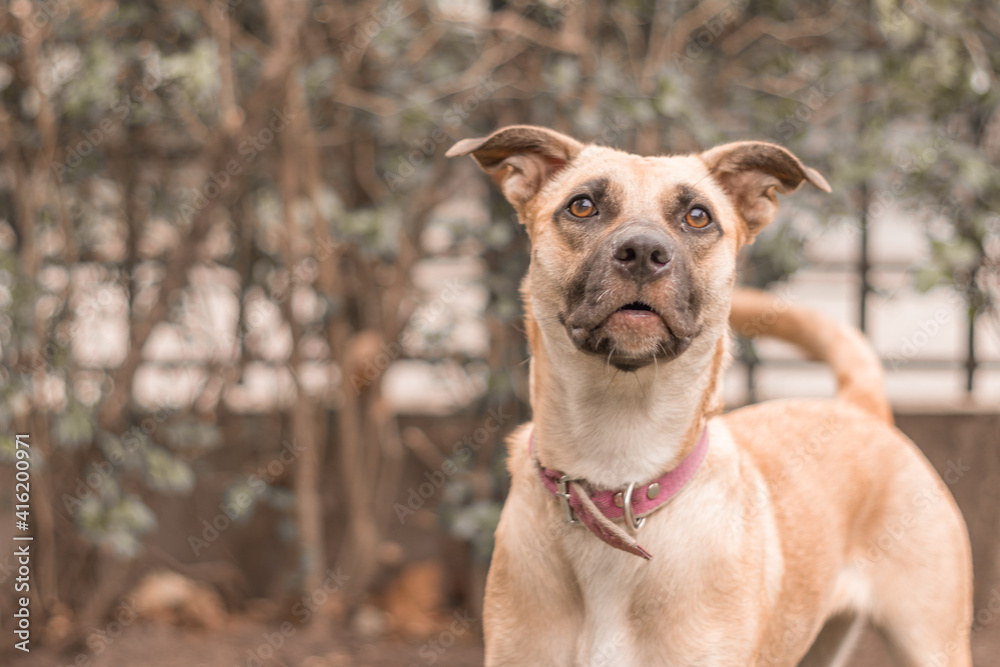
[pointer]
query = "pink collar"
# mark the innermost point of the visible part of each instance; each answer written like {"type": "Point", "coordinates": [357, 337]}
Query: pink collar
{"type": "Point", "coordinates": [598, 509]}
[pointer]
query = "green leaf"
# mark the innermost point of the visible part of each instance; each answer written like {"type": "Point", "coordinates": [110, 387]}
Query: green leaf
{"type": "Point", "coordinates": [74, 427]}
{"type": "Point", "coordinates": [192, 435]}
{"type": "Point", "coordinates": [165, 472]}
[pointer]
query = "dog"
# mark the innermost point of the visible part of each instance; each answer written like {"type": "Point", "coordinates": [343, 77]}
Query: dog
{"type": "Point", "coordinates": [645, 527]}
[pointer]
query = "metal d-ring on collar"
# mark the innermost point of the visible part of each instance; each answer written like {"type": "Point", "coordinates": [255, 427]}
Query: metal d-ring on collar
{"type": "Point", "coordinates": [596, 509]}
{"type": "Point", "coordinates": [630, 519]}
{"type": "Point", "coordinates": [562, 492]}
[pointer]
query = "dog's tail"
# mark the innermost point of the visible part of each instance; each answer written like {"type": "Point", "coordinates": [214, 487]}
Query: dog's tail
{"type": "Point", "coordinates": [858, 369]}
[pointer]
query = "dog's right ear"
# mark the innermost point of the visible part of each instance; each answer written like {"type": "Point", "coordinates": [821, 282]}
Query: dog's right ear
{"type": "Point", "coordinates": [520, 158]}
{"type": "Point", "coordinates": [751, 171]}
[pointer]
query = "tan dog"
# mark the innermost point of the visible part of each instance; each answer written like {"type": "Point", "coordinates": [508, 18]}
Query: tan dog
{"type": "Point", "coordinates": [805, 517]}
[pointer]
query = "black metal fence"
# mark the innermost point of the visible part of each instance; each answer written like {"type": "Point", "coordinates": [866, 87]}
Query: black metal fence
{"type": "Point", "coordinates": [967, 360]}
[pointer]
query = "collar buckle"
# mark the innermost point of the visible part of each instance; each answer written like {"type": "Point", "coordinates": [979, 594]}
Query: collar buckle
{"type": "Point", "coordinates": [563, 493]}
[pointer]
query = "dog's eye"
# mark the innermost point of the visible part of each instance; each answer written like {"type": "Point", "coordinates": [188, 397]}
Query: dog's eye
{"type": "Point", "coordinates": [582, 207]}
{"type": "Point", "coordinates": [698, 218]}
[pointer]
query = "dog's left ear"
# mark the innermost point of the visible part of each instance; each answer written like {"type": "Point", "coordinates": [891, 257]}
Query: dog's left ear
{"type": "Point", "coordinates": [751, 171]}
{"type": "Point", "coordinates": [520, 158]}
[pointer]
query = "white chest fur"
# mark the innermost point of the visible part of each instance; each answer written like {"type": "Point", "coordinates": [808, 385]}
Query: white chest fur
{"type": "Point", "coordinates": [676, 596]}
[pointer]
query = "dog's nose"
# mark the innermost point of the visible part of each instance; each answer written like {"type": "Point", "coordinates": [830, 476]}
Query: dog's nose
{"type": "Point", "coordinates": [644, 254]}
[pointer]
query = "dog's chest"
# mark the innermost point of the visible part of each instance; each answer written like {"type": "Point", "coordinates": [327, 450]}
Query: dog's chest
{"type": "Point", "coordinates": [670, 615]}
{"type": "Point", "coordinates": [687, 605]}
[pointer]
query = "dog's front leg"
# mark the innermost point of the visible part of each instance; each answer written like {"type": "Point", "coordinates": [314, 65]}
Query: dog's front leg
{"type": "Point", "coordinates": [532, 611]}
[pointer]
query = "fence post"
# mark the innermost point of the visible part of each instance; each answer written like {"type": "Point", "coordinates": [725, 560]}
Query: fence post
{"type": "Point", "coordinates": [864, 265]}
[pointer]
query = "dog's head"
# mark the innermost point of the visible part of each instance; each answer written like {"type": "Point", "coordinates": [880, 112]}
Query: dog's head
{"type": "Point", "coordinates": [634, 256]}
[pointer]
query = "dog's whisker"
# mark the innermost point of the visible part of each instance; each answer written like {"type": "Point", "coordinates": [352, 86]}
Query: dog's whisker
{"type": "Point", "coordinates": [642, 390]}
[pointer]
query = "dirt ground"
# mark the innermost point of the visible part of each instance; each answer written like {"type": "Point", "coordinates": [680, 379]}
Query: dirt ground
{"type": "Point", "coordinates": [244, 644]}
{"type": "Point", "coordinates": [247, 643]}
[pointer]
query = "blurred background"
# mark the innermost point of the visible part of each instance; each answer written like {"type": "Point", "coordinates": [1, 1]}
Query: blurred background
{"type": "Point", "coordinates": [266, 338]}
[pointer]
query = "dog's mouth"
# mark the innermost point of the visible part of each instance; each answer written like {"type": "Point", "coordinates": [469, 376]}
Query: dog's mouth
{"type": "Point", "coordinates": [631, 336]}
{"type": "Point", "coordinates": [637, 306]}
{"type": "Point", "coordinates": [634, 326]}
{"type": "Point", "coordinates": [637, 317]}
